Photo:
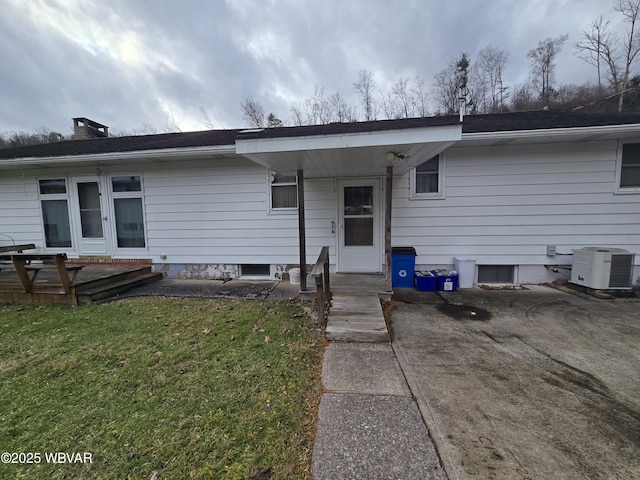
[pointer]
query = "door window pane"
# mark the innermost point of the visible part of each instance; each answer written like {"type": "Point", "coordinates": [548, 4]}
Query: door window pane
{"type": "Point", "coordinates": [358, 200]}
{"type": "Point", "coordinates": [358, 216]}
{"type": "Point", "coordinates": [129, 222]}
{"type": "Point", "coordinates": [90, 213]}
{"type": "Point", "coordinates": [55, 216]}
{"type": "Point", "coordinates": [358, 231]}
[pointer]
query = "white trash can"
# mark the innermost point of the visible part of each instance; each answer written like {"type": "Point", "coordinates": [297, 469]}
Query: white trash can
{"type": "Point", "coordinates": [294, 276]}
{"type": "Point", "coordinates": [466, 268]}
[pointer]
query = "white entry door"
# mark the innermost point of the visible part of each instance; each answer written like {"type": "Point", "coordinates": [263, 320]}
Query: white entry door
{"type": "Point", "coordinates": [359, 226]}
{"type": "Point", "coordinates": [90, 216]}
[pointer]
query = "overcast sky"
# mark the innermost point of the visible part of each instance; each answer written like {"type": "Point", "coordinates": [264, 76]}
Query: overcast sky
{"type": "Point", "coordinates": [127, 63]}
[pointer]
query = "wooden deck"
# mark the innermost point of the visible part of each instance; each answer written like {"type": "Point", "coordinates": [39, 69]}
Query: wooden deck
{"type": "Point", "coordinates": [96, 281]}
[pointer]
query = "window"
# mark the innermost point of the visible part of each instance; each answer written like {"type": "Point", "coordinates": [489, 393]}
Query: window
{"type": "Point", "coordinates": [255, 270]}
{"type": "Point", "coordinates": [55, 212]}
{"type": "Point", "coordinates": [284, 191]}
{"type": "Point", "coordinates": [426, 178]}
{"type": "Point", "coordinates": [127, 207]}
{"type": "Point", "coordinates": [630, 166]}
{"type": "Point", "coordinates": [495, 273]}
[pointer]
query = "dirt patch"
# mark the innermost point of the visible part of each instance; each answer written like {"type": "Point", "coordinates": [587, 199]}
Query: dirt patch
{"type": "Point", "coordinates": [387, 309]}
{"type": "Point", "coordinates": [464, 312]}
{"type": "Point", "coordinates": [501, 287]}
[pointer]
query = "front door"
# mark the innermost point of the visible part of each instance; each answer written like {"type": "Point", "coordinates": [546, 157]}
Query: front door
{"type": "Point", "coordinates": [90, 216]}
{"type": "Point", "coordinates": [359, 226]}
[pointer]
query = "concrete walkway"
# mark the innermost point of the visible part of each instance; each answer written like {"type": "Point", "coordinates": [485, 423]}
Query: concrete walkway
{"type": "Point", "coordinates": [356, 315]}
{"type": "Point", "coordinates": [369, 426]}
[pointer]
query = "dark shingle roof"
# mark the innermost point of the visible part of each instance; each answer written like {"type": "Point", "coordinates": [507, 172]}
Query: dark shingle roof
{"type": "Point", "coordinates": [499, 122]}
{"type": "Point", "coordinates": [124, 144]}
{"type": "Point", "coordinates": [544, 119]}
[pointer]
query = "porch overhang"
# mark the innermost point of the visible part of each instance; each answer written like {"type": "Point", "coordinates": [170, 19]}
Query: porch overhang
{"type": "Point", "coordinates": [351, 154]}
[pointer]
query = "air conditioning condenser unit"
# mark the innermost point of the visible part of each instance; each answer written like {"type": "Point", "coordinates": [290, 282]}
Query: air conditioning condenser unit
{"type": "Point", "coordinates": [602, 268]}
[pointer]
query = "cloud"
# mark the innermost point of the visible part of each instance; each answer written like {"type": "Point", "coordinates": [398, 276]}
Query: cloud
{"type": "Point", "coordinates": [126, 63]}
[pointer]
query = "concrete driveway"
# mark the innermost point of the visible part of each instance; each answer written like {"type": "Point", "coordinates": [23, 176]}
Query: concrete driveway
{"type": "Point", "coordinates": [534, 384]}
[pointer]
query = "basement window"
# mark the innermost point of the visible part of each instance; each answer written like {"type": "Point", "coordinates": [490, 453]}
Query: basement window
{"type": "Point", "coordinates": [255, 270]}
{"type": "Point", "coordinates": [496, 273]}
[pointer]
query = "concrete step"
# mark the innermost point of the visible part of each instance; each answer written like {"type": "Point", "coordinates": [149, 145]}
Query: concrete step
{"type": "Point", "coordinates": [356, 318]}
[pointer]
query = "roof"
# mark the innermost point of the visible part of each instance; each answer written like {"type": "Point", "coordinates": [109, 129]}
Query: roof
{"type": "Point", "coordinates": [498, 122]}
{"type": "Point", "coordinates": [543, 120]}
{"type": "Point", "coordinates": [123, 144]}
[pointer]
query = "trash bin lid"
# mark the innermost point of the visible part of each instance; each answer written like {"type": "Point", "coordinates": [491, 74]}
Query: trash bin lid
{"type": "Point", "coordinates": [403, 250]}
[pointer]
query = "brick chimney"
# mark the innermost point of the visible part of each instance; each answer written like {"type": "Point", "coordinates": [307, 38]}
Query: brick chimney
{"type": "Point", "coordinates": [84, 128]}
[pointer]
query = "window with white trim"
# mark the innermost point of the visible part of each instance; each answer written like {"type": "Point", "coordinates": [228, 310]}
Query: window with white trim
{"type": "Point", "coordinates": [629, 166]}
{"type": "Point", "coordinates": [284, 191]}
{"type": "Point", "coordinates": [54, 202]}
{"type": "Point", "coordinates": [126, 192]}
{"type": "Point", "coordinates": [427, 178]}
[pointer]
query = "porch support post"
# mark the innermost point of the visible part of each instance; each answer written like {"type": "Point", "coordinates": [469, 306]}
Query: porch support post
{"type": "Point", "coordinates": [387, 228]}
{"type": "Point", "coordinates": [301, 233]}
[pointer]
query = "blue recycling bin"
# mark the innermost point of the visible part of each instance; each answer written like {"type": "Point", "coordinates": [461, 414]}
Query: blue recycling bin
{"type": "Point", "coordinates": [403, 266]}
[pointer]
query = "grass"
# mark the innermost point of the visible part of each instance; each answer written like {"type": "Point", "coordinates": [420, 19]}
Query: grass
{"type": "Point", "coordinates": [175, 388]}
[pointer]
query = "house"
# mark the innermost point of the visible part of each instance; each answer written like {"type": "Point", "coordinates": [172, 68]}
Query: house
{"type": "Point", "coordinates": [514, 192]}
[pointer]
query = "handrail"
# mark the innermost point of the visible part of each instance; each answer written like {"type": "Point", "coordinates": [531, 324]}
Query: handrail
{"type": "Point", "coordinates": [320, 272]}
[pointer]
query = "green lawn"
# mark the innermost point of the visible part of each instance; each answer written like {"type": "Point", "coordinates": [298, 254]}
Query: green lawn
{"type": "Point", "coordinates": [178, 388]}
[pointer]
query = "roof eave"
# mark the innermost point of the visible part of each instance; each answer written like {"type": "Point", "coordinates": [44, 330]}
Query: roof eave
{"type": "Point", "coordinates": [136, 155]}
{"type": "Point", "coordinates": [558, 134]}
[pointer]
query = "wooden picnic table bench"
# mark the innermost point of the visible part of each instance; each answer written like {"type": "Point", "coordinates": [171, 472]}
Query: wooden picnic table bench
{"type": "Point", "coordinates": [28, 271]}
{"type": "Point", "coordinates": [17, 248]}
{"type": "Point", "coordinates": [5, 260]}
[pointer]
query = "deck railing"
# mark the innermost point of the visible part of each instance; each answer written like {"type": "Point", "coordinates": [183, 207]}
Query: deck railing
{"type": "Point", "coordinates": [320, 272]}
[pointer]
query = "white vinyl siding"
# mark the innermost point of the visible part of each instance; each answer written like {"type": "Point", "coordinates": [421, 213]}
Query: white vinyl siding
{"type": "Point", "coordinates": [215, 214]}
{"type": "Point", "coordinates": [20, 214]}
{"type": "Point", "coordinates": [505, 204]}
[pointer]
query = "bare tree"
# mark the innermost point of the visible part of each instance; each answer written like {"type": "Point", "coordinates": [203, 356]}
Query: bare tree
{"type": "Point", "coordinates": [39, 136]}
{"type": "Point", "coordinates": [601, 47]}
{"type": "Point", "coordinates": [490, 66]}
{"type": "Point", "coordinates": [296, 110]}
{"type": "Point", "coordinates": [365, 86]}
{"type": "Point", "coordinates": [207, 118]}
{"type": "Point", "coordinates": [253, 112]}
{"type": "Point", "coordinates": [597, 48]}
{"type": "Point", "coordinates": [420, 97]}
{"type": "Point", "coordinates": [541, 61]}
{"type": "Point", "coordinates": [342, 111]}
{"type": "Point", "coordinates": [446, 91]}
{"type": "Point", "coordinates": [631, 46]}
{"type": "Point", "coordinates": [522, 98]}
{"type": "Point", "coordinates": [318, 110]}
{"type": "Point", "coordinates": [390, 106]}
{"type": "Point", "coordinates": [405, 99]}
{"type": "Point", "coordinates": [452, 85]}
